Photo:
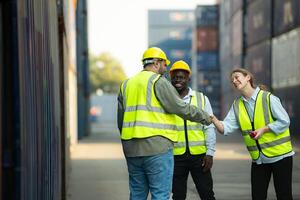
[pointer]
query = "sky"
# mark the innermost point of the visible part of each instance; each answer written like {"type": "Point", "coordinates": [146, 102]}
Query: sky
{"type": "Point", "coordinates": [120, 27]}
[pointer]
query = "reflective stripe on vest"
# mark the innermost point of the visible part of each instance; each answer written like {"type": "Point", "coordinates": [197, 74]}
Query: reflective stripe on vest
{"type": "Point", "coordinates": [196, 137]}
{"type": "Point", "coordinates": [271, 144]}
{"type": "Point", "coordinates": [144, 117]}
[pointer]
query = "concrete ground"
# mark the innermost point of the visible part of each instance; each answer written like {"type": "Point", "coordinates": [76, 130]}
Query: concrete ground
{"type": "Point", "coordinates": [99, 169]}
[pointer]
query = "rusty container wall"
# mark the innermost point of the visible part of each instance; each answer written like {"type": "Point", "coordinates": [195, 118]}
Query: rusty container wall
{"type": "Point", "coordinates": [289, 97]}
{"type": "Point", "coordinates": [207, 39]}
{"type": "Point", "coordinates": [258, 21]}
{"type": "Point", "coordinates": [286, 16]}
{"type": "Point", "coordinates": [258, 61]}
{"type": "Point", "coordinates": [286, 60]}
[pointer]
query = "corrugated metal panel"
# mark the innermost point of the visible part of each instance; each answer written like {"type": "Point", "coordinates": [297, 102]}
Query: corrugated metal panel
{"type": "Point", "coordinates": [225, 11]}
{"type": "Point", "coordinates": [10, 164]}
{"type": "Point", "coordinates": [237, 61]}
{"type": "Point", "coordinates": [286, 15]}
{"type": "Point", "coordinates": [207, 15]}
{"type": "Point", "coordinates": [258, 21]}
{"type": "Point", "coordinates": [171, 36]}
{"type": "Point", "coordinates": [1, 94]}
{"type": "Point", "coordinates": [289, 97]}
{"type": "Point", "coordinates": [286, 59]}
{"type": "Point", "coordinates": [237, 33]}
{"type": "Point", "coordinates": [207, 61]}
{"type": "Point", "coordinates": [170, 17]}
{"type": "Point", "coordinates": [39, 100]}
{"type": "Point", "coordinates": [258, 61]}
{"type": "Point", "coordinates": [225, 41]}
{"type": "Point", "coordinates": [207, 39]}
{"type": "Point", "coordinates": [235, 6]}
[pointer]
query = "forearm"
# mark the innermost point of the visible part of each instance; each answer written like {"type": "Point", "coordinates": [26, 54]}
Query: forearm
{"type": "Point", "coordinates": [218, 124]}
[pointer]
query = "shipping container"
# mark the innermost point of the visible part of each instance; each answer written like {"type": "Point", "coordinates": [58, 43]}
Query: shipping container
{"type": "Point", "coordinates": [225, 12]}
{"type": "Point", "coordinates": [216, 106]}
{"type": "Point", "coordinates": [170, 17]}
{"type": "Point", "coordinates": [258, 61]}
{"type": "Point", "coordinates": [207, 15]}
{"type": "Point", "coordinates": [209, 82]}
{"type": "Point", "coordinates": [33, 94]}
{"type": "Point", "coordinates": [289, 97]}
{"type": "Point", "coordinates": [179, 54]}
{"type": "Point", "coordinates": [236, 5]}
{"type": "Point", "coordinates": [225, 69]}
{"type": "Point", "coordinates": [286, 60]}
{"type": "Point", "coordinates": [286, 16]}
{"type": "Point", "coordinates": [237, 61]}
{"type": "Point", "coordinates": [171, 36]}
{"type": "Point", "coordinates": [207, 61]}
{"type": "Point", "coordinates": [1, 94]}
{"type": "Point", "coordinates": [258, 21]}
{"type": "Point", "coordinates": [225, 41]}
{"type": "Point", "coordinates": [207, 39]}
{"type": "Point", "coordinates": [82, 68]}
{"type": "Point", "coordinates": [237, 33]}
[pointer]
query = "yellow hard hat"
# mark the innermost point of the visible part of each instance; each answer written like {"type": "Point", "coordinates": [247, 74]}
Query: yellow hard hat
{"type": "Point", "coordinates": [181, 65]}
{"type": "Point", "coordinates": [155, 52]}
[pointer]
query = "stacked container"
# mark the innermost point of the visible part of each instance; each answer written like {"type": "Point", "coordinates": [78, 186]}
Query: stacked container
{"type": "Point", "coordinates": [258, 38]}
{"type": "Point", "coordinates": [285, 57]}
{"type": "Point", "coordinates": [206, 55]}
{"type": "Point", "coordinates": [171, 30]}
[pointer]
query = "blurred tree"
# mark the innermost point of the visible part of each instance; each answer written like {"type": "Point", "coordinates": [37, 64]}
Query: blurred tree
{"type": "Point", "coordinates": [106, 73]}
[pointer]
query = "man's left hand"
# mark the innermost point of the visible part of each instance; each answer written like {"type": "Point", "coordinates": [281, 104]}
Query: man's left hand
{"type": "Point", "coordinates": [207, 163]}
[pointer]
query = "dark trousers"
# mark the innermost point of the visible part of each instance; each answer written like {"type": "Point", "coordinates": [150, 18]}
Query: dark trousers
{"type": "Point", "coordinates": [282, 176]}
{"type": "Point", "coordinates": [184, 164]}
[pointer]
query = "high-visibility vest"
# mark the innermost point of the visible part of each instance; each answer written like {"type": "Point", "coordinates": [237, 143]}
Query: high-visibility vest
{"type": "Point", "coordinates": [144, 116]}
{"type": "Point", "coordinates": [194, 137]}
{"type": "Point", "coordinates": [270, 144]}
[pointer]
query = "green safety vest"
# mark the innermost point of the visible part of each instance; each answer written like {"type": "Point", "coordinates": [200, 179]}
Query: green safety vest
{"type": "Point", "coordinates": [270, 144]}
{"type": "Point", "coordinates": [195, 135]}
{"type": "Point", "coordinates": [144, 116]}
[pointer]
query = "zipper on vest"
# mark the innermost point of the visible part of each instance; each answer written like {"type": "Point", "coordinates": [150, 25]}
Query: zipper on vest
{"type": "Point", "coordinates": [186, 137]}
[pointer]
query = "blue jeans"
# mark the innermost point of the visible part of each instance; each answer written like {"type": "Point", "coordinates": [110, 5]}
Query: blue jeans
{"type": "Point", "coordinates": [151, 173]}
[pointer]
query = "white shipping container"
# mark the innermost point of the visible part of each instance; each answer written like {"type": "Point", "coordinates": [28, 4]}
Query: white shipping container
{"type": "Point", "coordinates": [286, 60]}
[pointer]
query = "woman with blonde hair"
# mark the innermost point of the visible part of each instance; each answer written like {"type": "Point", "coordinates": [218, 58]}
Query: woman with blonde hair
{"type": "Point", "coordinates": [264, 124]}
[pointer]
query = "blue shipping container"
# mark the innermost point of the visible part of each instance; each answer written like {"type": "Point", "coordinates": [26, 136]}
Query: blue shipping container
{"type": "Point", "coordinates": [207, 15]}
{"type": "Point", "coordinates": [170, 17]}
{"type": "Point", "coordinates": [207, 61]}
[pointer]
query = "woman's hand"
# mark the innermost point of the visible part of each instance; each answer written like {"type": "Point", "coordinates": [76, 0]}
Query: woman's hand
{"type": "Point", "coordinates": [219, 126]}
